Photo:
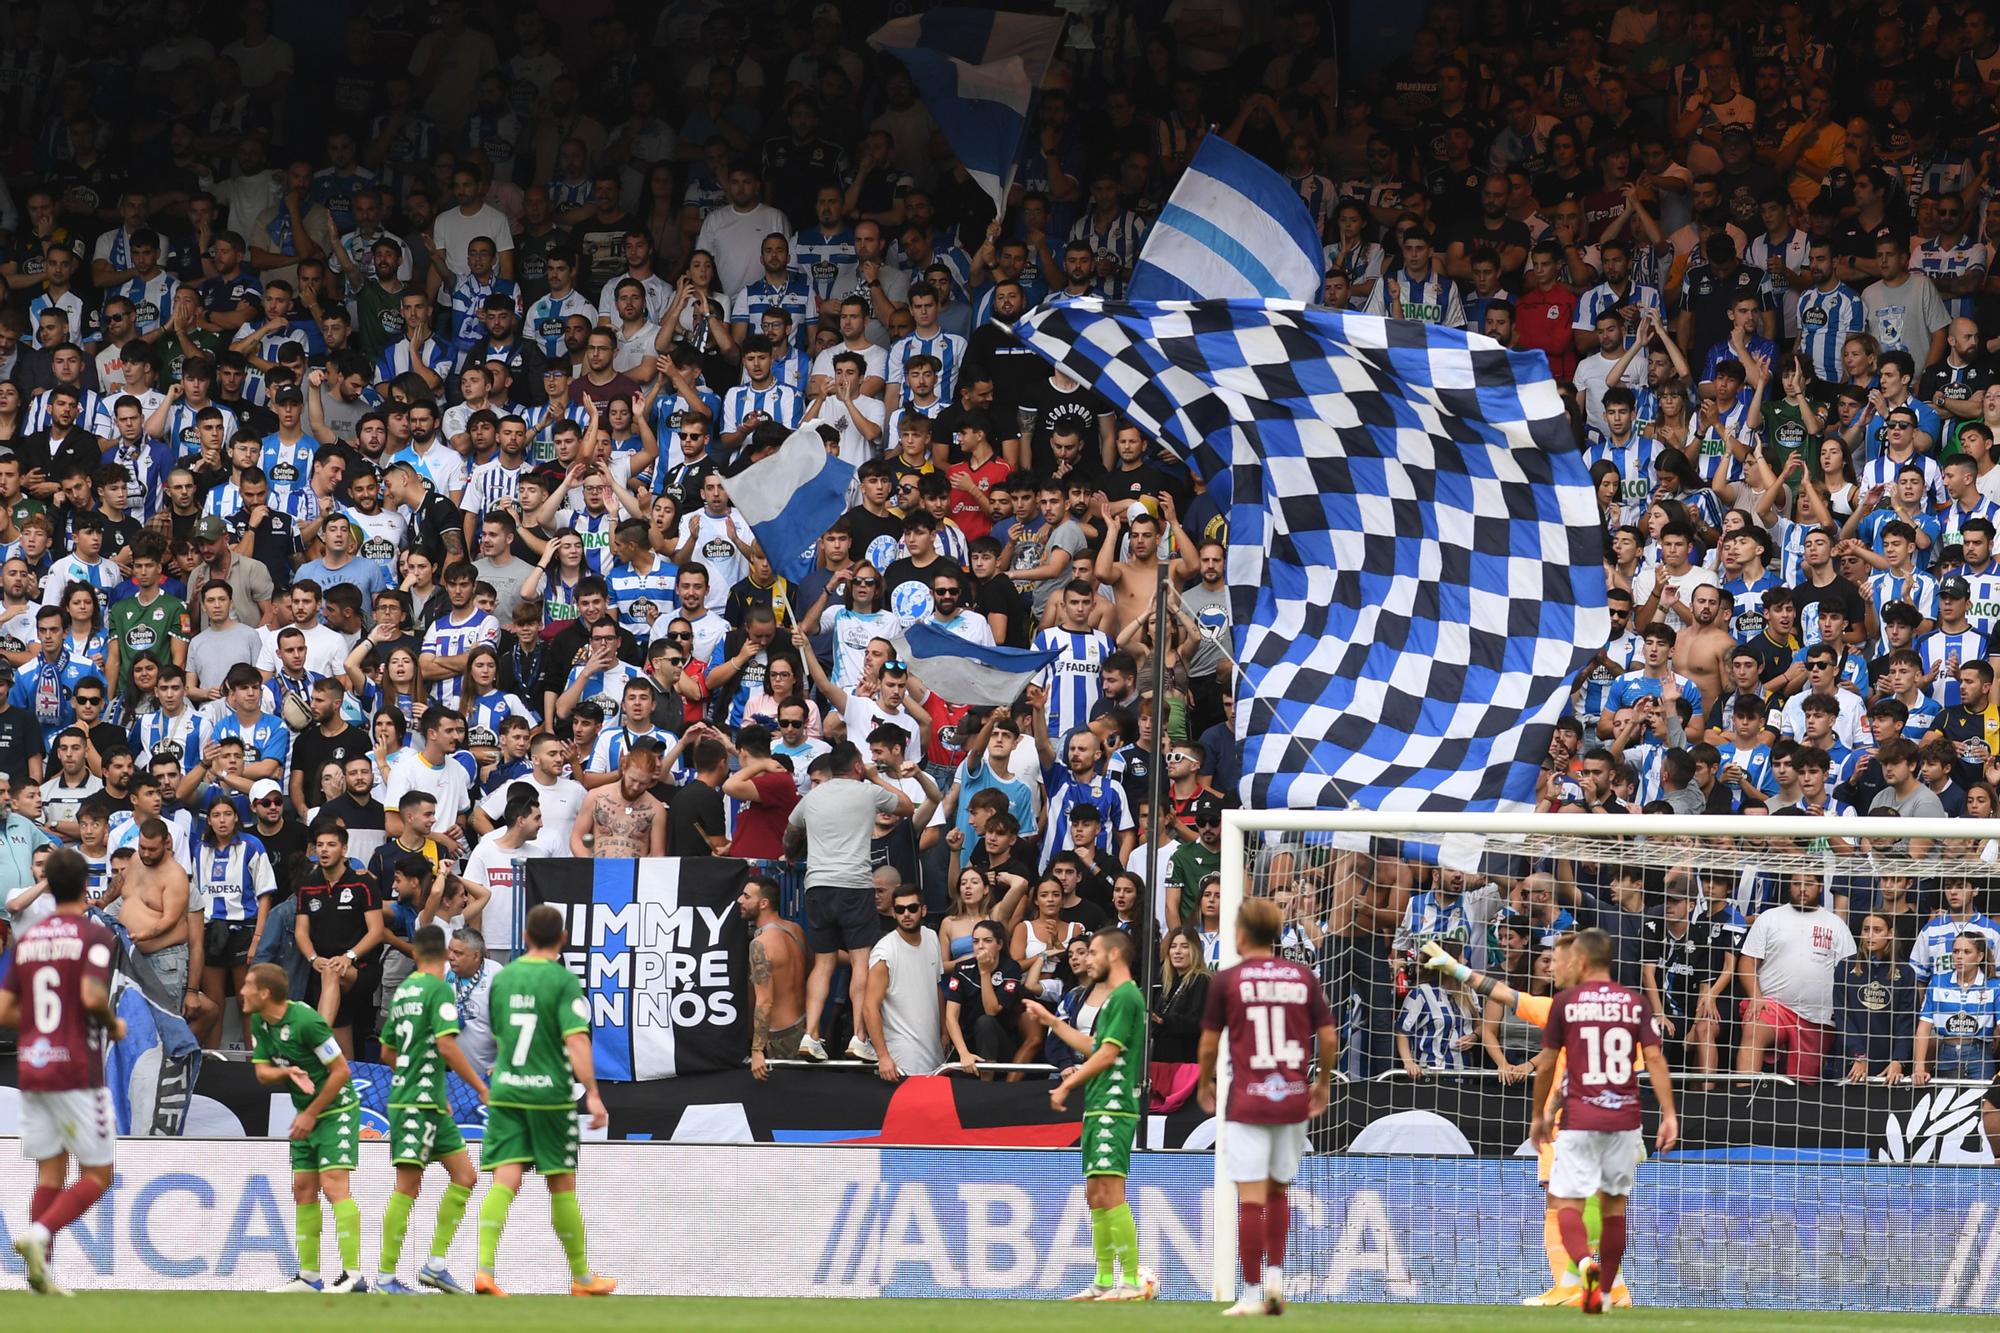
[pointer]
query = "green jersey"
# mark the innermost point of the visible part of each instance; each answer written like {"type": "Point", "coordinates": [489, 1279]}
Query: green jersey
{"type": "Point", "coordinates": [423, 1009]}
{"type": "Point", "coordinates": [535, 1004]}
{"type": "Point", "coordinates": [1119, 1090]}
{"type": "Point", "coordinates": [146, 629]}
{"type": "Point", "coordinates": [300, 1040]}
{"type": "Point", "coordinates": [1190, 863]}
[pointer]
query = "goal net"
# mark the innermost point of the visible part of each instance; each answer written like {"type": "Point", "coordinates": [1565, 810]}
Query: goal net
{"type": "Point", "coordinates": [1830, 1066]}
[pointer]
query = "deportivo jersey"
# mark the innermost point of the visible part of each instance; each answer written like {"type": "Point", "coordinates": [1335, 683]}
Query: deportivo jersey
{"type": "Point", "coordinates": [948, 348]}
{"type": "Point", "coordinates": [265, 738]}
{"type": "Point", "coordinates": [62, 1046]}
{"type": "Point", "coordinates": [544, 320]}
{"type": "Point", "coordinates": [1120, 1089]}
{"type": "Point", "coordinates": [147, 629]}
{"type": "Point", "coordinates": [1074, 681]}
{"type": "Point", "coordinates": [1602, 1029]}
{"type": "Point", "coordinates": [1065, 792]}
{"type": "Point", "coordinates": [1943, 653]}
{"type": "Point", "coordinates": [1755, 760]}
{"type": "Point", "coordinates": [152, 299]}
{"type": "Point", "coordinates": [1931, 954]}
{"type": "Point", "coordinates": [286, 465]}
{"type": "Point", "coordinates": [1825, 320]}
{"type": "Point", "coordinates": [796, 298]}
{"type": "Point", "coordinates": [159, 735]}
{"type": "Point", "coordinates": [230, 880]}
{"type": "Point", "coordinates": [1917, 589]}
{"type": "Point", "coordinates": [451, 636]}
{"type": "Point", "coordinates": [536, 1003]}
{"type": "Point", "coordinates": [423, 1009]}
{"type": "Point", "coordinates": [1633, 686]}
{"type": "Point", "coordinates": [180, 426]}
{"type": "Point", "coordinates": [484, 714]}
{"type": "Point", "coordinates": [1270, 1008]}
{"type": "Point", "coordinates": [1634, 461]}
{"type": "Point", "coordinates": [1962, 1011]}
{"type": "Point", "coordinates": [1929, 255]}
{"type": "Point", "coordinates": [635, 593]}
{"type": "Point", "coordinates": [779, 403]}
{"type": "Point", "coordinates": [302, 1040]}
{"type": "Point", "coordinates": [1746, 617]}
{"type": "Point", "coordinates": [1597, 685]}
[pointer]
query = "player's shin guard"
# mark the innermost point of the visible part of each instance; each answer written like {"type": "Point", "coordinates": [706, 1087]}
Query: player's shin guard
{"type": "Point", "coordinates": [1101, 1246]}
{"type": "Point", "coordinates": [1593, 1220]}
{"type": "Point", "coordinates": [347, 1234]}
{"type": "Point", "coordinates": [451, 1211]}
{"type": "Point", "coordinates": [1613, 1247]}
{"type": "Point", "coordinates": [306, 1222]}
{"type": "Point", "coordinates": [1125, 1241]}
{"type": "Point", "coordinates": [1250, 1241]}
{"type": "Point", "coordinates": [568, 1219]}
{"type": "Point", "coordinates": [1277, 1226]}
{"type": "Point", "coordinates": [493, 1221]}
{"type": "Point", "coordinates": [1552, 1241]}
{"type": "Point", "coordinates": [395, 1225]}
{"type": "Point", "coordinates": [1575, 1239]}
{"type": "Point", "coordinates": [71, 1204]}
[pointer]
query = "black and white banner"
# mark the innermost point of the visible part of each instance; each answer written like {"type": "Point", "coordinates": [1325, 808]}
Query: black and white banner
{"type": "Point", "coordinates": [663, 956]}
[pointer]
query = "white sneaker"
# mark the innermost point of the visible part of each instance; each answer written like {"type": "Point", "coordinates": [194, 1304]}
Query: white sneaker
{"type": "Point", "coordinates": [860, 1048]}
{"type": "Point", "coordinates": [1246, 1306]}
{"type": "Point", "coordinates": [812, 1048]}
{"type": "Point", "coordinates": [1093, 1292]}
{"type": "Point", "coordinates": [33, 1247]}
{"type": "Point", "coordinates": [347, 1283]}
{"type": "Point", "coordinates": [300, 1286]}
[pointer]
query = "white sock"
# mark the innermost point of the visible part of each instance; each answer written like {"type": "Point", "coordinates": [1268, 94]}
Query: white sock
{"type": "Point", "coordinates": [40, 1232]}
{"type": "Point", "coordinates": [1274, 1279]}
{"type": "Point", "coordinates": [1253, 1293]}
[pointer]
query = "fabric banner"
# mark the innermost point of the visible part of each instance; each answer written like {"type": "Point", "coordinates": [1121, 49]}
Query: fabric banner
{"type": "Point", "coordinates": [663, 956]}
{"type": "Point", "coordinates": [151, 1071]}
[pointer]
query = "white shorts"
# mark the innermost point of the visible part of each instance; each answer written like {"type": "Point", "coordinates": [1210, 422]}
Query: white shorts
{"type": "Point", "coordinates": [1263, 1152]}
{"type": "Point", "coordinates": [78, 1122]}
{"type": "Point", "coordinates": [1595, 1161]}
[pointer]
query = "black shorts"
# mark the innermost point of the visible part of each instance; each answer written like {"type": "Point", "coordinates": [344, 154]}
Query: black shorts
{"type": "Point", "coordinates": [838, 919]}
{"type": "Point", "coordinates": [226, 944]}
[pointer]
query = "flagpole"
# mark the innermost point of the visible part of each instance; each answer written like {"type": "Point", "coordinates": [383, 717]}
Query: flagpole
{"type": "Point", "coordinates": [1155, 799]}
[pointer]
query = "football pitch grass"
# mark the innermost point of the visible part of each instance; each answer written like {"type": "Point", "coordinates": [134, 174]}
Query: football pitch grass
{"type": "Point", "coordinates": [206, 1312]}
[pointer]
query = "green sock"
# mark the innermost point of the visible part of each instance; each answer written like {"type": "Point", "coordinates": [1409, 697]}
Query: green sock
{"type": "Point", "coordinates": [1125, 1240]}
{"type": "Point", "coordinates": [395, 1225]}
{"type": "Point", "coordinates": [1593, 1221]}
{"type": "Point", "coordinates": [1100, 1244]}
{"type": "Point", "coordinates": [306, 1222]}
{"type": "Point", "coordinates": [568, 1218]}
{"type": "Point", "coordinates": [347, 1231]}
{"type": "Point", "coordinates": [492, 1221]}
{"type": "Point", "coordinates": [451, 1211]}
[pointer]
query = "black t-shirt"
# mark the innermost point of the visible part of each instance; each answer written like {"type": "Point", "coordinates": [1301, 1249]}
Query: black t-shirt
{"type": "Point", "coordinates": [351, 814]}
{"type": "Point", "coordinates": [336, 913]}
{"type": "Point", "coordinates": [1048, 407]}
{"type": "Point", "coordinates": [287, 850]}
{"type": "Point", "coordinates": [999, 594]}
{"type": "Point", "coordinates": [1685, 964]}
{"type": "Point", "coordinates": [271, 544]}
{"type": "Point", "coordinates": [1086, 914]}
{"type": "Point", "coordinates": [432, 520]}
{"type": "Point", "coordinates": [312, 751]}
{"type": "Point", "coordinates": [20, 740]}
{"type": "Point", "coordinates": [696, 811]}
{"type": "Point", "coordinates": [866, 527]}
{"type": "Point", "coordinates": [1840, 594]}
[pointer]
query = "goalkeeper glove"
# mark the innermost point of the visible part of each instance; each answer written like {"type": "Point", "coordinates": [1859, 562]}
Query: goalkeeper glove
{"type": "Point", "coordinates": [1437, 959]}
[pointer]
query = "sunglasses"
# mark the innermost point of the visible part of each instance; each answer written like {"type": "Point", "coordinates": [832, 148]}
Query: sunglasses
{"type": "Point", "coordinates": [867, 583]}
{"type": "Point", "coordinates": [677, 661]}
{"type": "Point", "coordinates": [681, 638]}
{"type": "Point", "coordinates": [1177, 756]}
{"type": "Point", "coordinates": [791, 722]}
{"type": "Point", "coordinates": [894, 664]}
{"type": "Point", "coordinates": [907, 909]}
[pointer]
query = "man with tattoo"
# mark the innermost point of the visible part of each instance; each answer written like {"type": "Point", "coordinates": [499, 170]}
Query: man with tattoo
{"type": "Point", "coordinates": [777, 977]}
{"type": "Point", "coordinates": [624, 819]}
{"type": "Point", "coordinates": [154, 894]}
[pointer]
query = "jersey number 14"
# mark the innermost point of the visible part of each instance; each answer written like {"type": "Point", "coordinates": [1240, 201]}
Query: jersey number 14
{"type": "Point", "coordinates": [1274, 1050]}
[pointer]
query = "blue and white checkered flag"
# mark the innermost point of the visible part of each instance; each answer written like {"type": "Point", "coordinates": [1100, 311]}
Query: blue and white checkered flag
{"type": "Point", "coordinates": [1415, 557]}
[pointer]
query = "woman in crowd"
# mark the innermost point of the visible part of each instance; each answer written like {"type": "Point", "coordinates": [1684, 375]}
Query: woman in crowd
{"type": "Point", "coordinates": [1875, 1000]}
{"type": "Point", "coordinates": [554, 579]}
{"type": "Point", "coordinates": [852, 626]}
{"type": "Point", "coordinates": [782, 681]}
{"type": "Point", "coordinates": [486, 706]}
{"type": "Point", "coordinates": [1957, 1025]}
{"type": "Point", "coordinates": [983, 1018]}
{"type": "Point", "coordinates": [1041, 942]}
{"type": "Point", "coordinates": [1180, 999]}
{"type": "Point", "coordinates": [393, 684]}
{"type": "Point", "coordinates": [83, 637]}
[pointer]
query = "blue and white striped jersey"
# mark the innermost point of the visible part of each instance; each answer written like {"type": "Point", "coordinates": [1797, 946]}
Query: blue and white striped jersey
{"type": "Point", "coordinates": [1066, 792]}
{"type": "Point", "coordinates": [779, 403]}
{"type": "Point", "coordinates": [454, 635]}
{"type": "Point", "coordinates": [1931, 954]}
{"type": "Point", "coordinates": [1943, 653]}
{"type": "Point", "coordinates": [1962, 1011]}
{"type": "Point", "coordinates": [948, 348]}
{"type": "Point", "coordinates": [1433, 1021]}
{"type": "Point", "coordinates": [545, 318]}
{"type": "Point", "coordinates": [1825, 320]}
{"type": "Point", "coordinates": [1074, 681]}
{"type": "Point", "coordinates": [229, 880]}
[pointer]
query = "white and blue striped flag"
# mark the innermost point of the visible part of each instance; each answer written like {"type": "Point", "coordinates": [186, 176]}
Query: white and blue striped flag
{"type": "Point", "coordinates": [1232, 228]}
{"type": "Point", "coordinates": [966, 672]}
{"type": "Point", "coordinates": [790, 497]}
{"type": "Point", "coordinates": [977, 71]}
{"type": "Point", "coordinates": [1415, 554]}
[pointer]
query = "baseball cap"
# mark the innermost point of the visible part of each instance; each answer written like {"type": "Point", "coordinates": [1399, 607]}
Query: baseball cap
{"type": "Point", "coordinates": [288, 394]}
{"type": "Point", "coordinates": [1955, 587]}
{"type": "Point", "coordinates": [264, 789]}
{"type": "Point", "coordinates": [1206, 808]}
{"type": "Point", "coordinates": [207, 529]}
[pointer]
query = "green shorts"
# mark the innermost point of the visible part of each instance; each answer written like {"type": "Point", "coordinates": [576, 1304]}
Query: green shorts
{"type": "Point", "coordinates": [333, 1145]}
{"type": "Point", "coordinates": [547, 1140]}
{"type": "Point", "coordinates": [1107, 1143]}
{"type": "Point", "coordinates": [419, 1136]}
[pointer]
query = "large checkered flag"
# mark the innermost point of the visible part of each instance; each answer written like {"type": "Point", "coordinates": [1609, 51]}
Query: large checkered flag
{"type": "Point", "coordinates": [1415, 559]}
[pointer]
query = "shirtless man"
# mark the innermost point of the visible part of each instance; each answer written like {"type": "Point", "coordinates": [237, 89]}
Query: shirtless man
{"type": "Point", "coordinates": [154, 890]}
{"type": "Point", "coordinates": [777, 974]}
{"type": "Point", "coordinates": [1702, 649]}
{"type": "Point", "coordinates": [1135, 582]}
{"type": "Point", "coordinates": [625, 819]}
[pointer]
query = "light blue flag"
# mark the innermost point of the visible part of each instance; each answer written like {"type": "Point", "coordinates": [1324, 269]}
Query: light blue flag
{"type": "Point", "coordinates": [966, 672]}
{"type": "Point", "coordinates": [790, 498]}
{"type": "Point", "coordinates": [1232, 228]}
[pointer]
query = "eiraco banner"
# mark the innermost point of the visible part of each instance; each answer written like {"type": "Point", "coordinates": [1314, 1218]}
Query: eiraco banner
{"type": "Point", "coordinates": [663, 956]}
{"type": "Point", "coordinates": [867, 1222]}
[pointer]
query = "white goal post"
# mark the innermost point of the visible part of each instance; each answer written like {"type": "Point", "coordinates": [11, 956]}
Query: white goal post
{"type": "Point", "coordinates": [1735, 844]}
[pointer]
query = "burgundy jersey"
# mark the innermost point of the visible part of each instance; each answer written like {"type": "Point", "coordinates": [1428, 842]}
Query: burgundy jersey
{"type": "Point", "coordinates": [1600, 1027]}
{"type": "Point", "coordinates": [62, 1047]}
{"type": "Point", "coordinates": [1270, 1007]}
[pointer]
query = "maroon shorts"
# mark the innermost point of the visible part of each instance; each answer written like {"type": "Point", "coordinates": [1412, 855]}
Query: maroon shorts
{"type": "Point", "coordinates": [1802, 1041]}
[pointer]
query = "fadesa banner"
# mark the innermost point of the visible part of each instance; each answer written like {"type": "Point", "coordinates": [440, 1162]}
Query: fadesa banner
{"type": "Point", "coordinates": [908, 1222]}
{"type": "Point", "coordinates": [663, 955]}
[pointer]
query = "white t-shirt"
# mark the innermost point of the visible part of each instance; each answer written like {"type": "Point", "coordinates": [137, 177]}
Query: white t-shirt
{"type": "Point", "coordinates": [326, 649]}
{"type": "Point", "coordinates": [854, 446]}
{"type": "Point", "coordinates": [913, 1009]}
{"type": "Point", "coordinates": [499, 869]}
{"type": "Point", "coordinates": [561, 800]}
{"type": "Point", "coordinates": [448, 783]}
{"type": "Point", "coordinates": [454, 231]}
{"type": "Point", "coordinates": [877, 359]}
{"type": "Point", "coordinates": [1798, 952]}
{"type": "Point", "coordinates": [862, 716]}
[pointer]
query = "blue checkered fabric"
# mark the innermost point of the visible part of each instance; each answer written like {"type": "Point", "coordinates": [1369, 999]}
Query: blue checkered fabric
{"type": "Point", "coordinates": [1415, 553]}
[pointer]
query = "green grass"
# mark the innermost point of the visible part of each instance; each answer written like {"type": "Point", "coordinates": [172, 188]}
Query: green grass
{"type": "Point", "coordinates": [200, 1312]}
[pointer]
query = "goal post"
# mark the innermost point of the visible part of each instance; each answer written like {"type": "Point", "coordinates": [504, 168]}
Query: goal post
{"type": "Point", "coordinates": [1342, 874]}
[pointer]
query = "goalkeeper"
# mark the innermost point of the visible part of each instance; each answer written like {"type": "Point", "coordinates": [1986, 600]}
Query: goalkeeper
{"type": "Point", "coordinates": [1567, 1288]}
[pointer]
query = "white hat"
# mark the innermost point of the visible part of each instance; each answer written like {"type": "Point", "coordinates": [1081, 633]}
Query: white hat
{"type": "Point", "coordinates": [264, 787]}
